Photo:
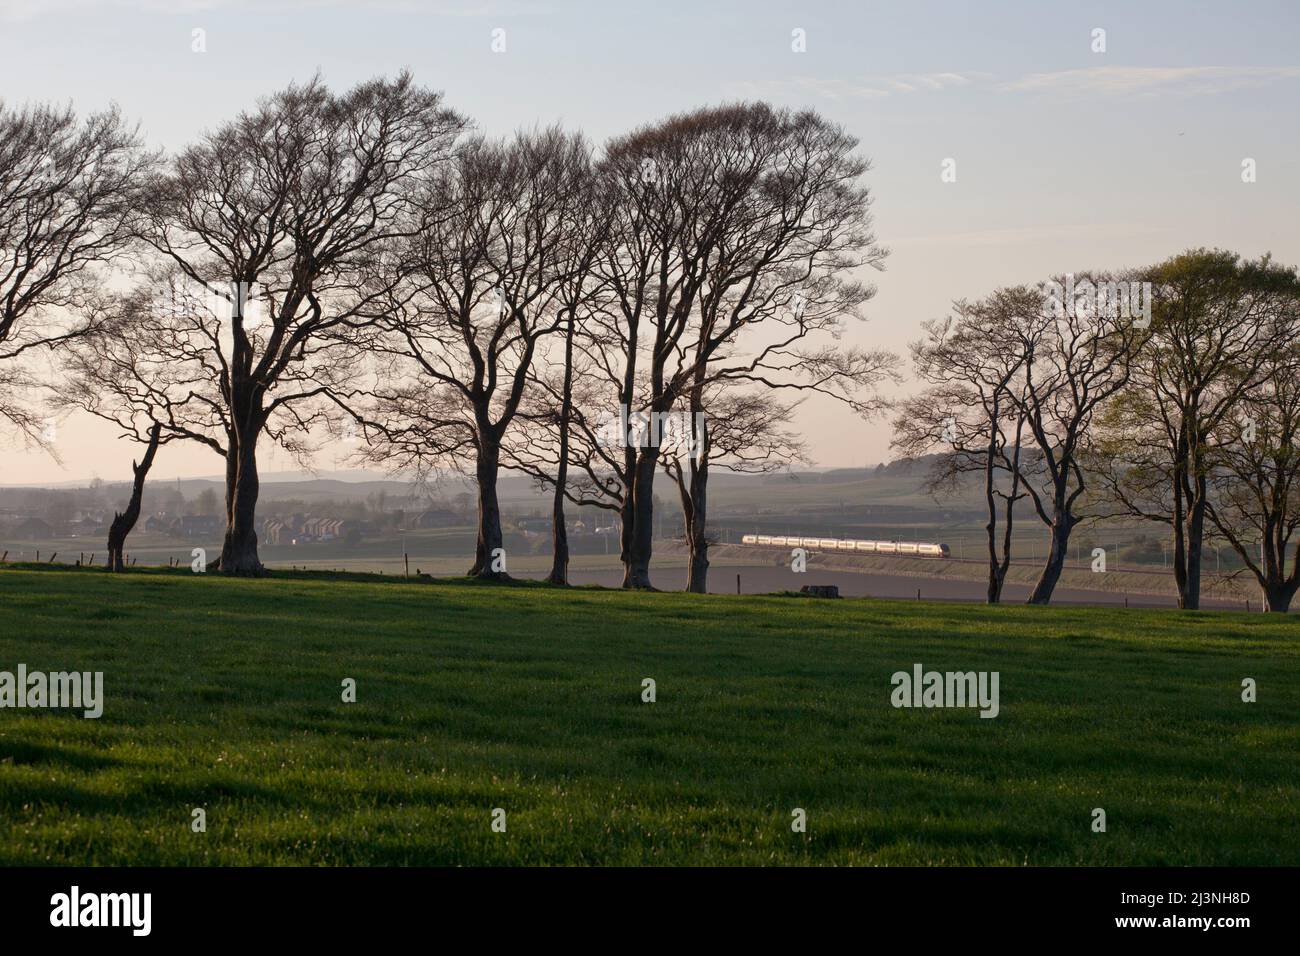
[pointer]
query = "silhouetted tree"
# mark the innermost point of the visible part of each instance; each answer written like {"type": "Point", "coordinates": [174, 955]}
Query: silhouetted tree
{"type": "Point", "coordinates": [274, 227]}
{"type": "Point", "coordinates": [1217, 327]}
{"type": "Point", "coordinates": [733, 232]}
{"type": "Point", "coordinates": [489, 275]}
{"type": "Point", "coordinates": [69, 200]}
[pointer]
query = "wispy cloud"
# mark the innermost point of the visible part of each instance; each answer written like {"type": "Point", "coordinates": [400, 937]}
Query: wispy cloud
{"type": "Point", "coordinates": [1090, 82]}
{"type": "Point", "coordinates": [868, 87]}
{"type": "Point", "coordinates": [1151, 80]}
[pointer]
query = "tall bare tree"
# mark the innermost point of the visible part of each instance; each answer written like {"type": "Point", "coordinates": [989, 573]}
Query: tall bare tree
{"type": "Point", "coordinates": [279, 218]}
{"type": "Point", "coordinates": [544, 447]}
{"type": "Point", "coordinates": [734, 234]}
{"type": "Point", "coordinates": [496, 268]}
{"type": "Point", "coordinates": [972, 409]}
{"type": "Point", "coordinates": [69, 196]}
{"type": "Point", "coordinates": [1078, 360]}
{"type": "Point", "coordinates": [1055, 361]}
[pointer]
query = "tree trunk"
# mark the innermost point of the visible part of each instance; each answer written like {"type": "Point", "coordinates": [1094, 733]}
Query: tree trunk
{"type": "Point", "coordinates": [697, 530]}
{"type": "Point", "coordinates": [991, 527]}
{"type": "Point", "coordinates": [1009, 523]}
{"type": "Point", "coordinates": [1062, 525]}
{"type": "Point", "coordinates": [626, 513]}
{"type": "Point", "coordinates": [1278, 596]}
{"type": "Point", "coordinates": [1191, 595]}
{"type": "Point", "coordinates": [559, 534]}
{"type": "Point", "coordinates": [998, 566]}
{"type": "Point", "coordinates": [995, 583]}
{"type": "Point", "coordinates": [642, 544]}
{"type": "Point", "coordinates": [1189, 535]}
{"type": "Point", "coordinates": [998, 570]}
{"type": "Point", "coordinates": [1180, 563]}
{"type": "Point", "coordinates": [124, 521]}
{"type": "Point", "coordinates": [239, 548]}
{"type": "Point", "coordinates": [489, 560]}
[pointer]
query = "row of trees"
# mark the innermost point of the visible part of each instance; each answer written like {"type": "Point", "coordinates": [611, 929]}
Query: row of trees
{"type": "Point", "coordinates": [1183, 412]}
{"type": "Point", "coordinates": [362, 266]}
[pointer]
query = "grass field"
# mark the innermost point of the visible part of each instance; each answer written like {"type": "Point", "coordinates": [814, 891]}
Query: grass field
{"type": "Point", "coordinates": [225, 694]}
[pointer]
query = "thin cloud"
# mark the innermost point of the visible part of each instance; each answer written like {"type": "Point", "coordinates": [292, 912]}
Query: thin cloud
{"type": "Point", "coordinates": [1092, 81]}
{"type": "Point", "coordinates": [872, 87]}
{"type": "Point", "coordinates": [1152, 80]}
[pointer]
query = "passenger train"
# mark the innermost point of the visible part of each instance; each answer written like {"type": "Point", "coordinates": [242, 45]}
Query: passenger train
{"type": "Point", "coordinates": [918, 549]}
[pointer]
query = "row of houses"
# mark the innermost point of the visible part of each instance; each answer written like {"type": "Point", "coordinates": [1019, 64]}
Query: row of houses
{"type": "Point", "coordinates": [303, 529]}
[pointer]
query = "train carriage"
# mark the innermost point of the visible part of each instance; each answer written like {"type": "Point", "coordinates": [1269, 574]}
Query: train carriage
{"type": "Point", "coordinates": [921, 549]}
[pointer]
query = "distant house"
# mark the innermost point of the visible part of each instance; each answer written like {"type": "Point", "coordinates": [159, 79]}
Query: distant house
{"type": "Point", "coordinates": [159, 523]}
{"type": "Point", "coordinates": [323, 529]}
{"type": "Point", "coordinates": [193, 526]}
{"type": "Point", "coordinates": [33, 528]}
{"type": "Point", "coordinates": [90, 525]}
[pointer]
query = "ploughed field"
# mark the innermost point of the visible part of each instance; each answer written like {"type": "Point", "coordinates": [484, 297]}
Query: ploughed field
{"type": "Point", "coordinates": [226, 695]}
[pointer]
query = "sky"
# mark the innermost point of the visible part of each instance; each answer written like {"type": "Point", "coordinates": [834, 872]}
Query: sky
{"type": "Point", "coordinates": [1067, 157]}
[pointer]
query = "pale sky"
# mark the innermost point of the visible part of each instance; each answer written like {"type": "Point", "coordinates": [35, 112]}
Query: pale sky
{"type": "Point", "coordinates": [1066, 159]}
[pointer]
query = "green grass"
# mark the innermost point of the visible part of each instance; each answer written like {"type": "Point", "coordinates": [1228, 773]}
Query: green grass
{"type": "Point", "coordinates": [225, 694]}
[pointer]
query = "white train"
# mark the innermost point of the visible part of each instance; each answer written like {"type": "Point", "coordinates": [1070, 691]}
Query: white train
{"type": "Point", "coordinates": [920, 549]}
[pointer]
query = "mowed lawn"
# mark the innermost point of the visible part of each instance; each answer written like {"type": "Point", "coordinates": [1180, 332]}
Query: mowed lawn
{"type": "Point", "coordinates": [226, 695]}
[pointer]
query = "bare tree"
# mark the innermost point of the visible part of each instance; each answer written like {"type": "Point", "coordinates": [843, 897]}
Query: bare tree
{"type": "Point", "coordinates": [1218, 323]}
{"type": "Point", "coordinates": [733, 232]}
{"type": "Point", "coordinates": [1055, 362]}
{"type": "Point", "coordinates": [69, 194]}
{"type": "Point", "coordinates": [278, 220]}
{"type": "Point", "coordinates": [1078, 359]}
{"type": "Point", "coordinates": [496, 268]}
{"type": "Point", "coordinates": [973, 408]}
